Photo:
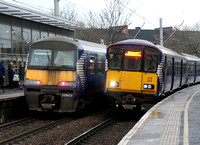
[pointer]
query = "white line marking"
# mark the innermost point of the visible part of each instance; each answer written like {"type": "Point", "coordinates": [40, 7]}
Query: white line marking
{"type": "Point", "coordinates": [186, 134]}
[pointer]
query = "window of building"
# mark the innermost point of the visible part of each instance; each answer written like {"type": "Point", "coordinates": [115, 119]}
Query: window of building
{"type": "Point", "coordinates": [5, 46]}
{"type": "Point", "coordinates": [16, 47]}
{"type": "Point", "coordinates": [5, 31]}
{"type": "Point", "coordinates": [44, 34]}
{"type": "Point", "coordinates": [26, 35]}
{"type": "Point", "coordinates": [92, 65]}
{"type": "Point", "coordinates": [35, 35]}
{"type": "Point", "coordinates": [16, 33]}
{"type": "Point", "coordinates": [51, 34]}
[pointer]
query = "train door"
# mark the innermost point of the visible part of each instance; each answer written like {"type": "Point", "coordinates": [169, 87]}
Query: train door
{"type": "Point", "coordinates": [191, 72]}
{"type": "Point", "coordinates": [184, 72]}
{"type": "Point", "coordinates": [168, 74]}
{"type": "Point", "coordinates": [101, 71]}
{"type": "Point", "coordinates": [177, 73]}
{"type": "Point", "coordinates": [91, 71]}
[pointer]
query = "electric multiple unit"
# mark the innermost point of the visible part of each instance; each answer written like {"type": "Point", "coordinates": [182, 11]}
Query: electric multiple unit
{"type": "Point", "coordinates": [63, 75]}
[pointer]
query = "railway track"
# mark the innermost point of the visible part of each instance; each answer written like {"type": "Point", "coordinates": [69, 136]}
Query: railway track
{"type": "Point", "coordinates": [20, 137]}
{"type": "Point", "coordinates": [15, 123]}
{"type": "Point", "coordinates": [84, 137]}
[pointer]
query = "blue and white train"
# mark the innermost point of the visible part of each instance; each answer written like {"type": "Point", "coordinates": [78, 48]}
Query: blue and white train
{"type": "Point", "coordinates": [63, 75]}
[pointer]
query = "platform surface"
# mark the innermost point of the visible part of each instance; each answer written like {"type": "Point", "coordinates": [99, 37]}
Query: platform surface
{"type": "Point", "coordinates": [173, 121]}
{"type": "Point", "coordinates": [11, 94]}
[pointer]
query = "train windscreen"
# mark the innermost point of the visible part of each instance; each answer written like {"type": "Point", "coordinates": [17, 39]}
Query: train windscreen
{"type": "Point", "coordinates": [52, 58]}
{"type": "Point", "coordinates": [133, 58]}
{"type": "Point", "coordinates": [150, 60]}
{"type": "Point", "coordinates": [124, 58]}
{"type": "Point", "coordinates": [115, 58]}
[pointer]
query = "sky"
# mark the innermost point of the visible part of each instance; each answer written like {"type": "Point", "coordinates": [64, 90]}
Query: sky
{"type": "Point", "coordinates": [146, 13]}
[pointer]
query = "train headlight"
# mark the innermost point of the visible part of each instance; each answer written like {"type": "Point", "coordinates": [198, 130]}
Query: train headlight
{"type": "Point", "coordinates": [113, 84]}
{"type": "Point", "coordinates": [66, 84]}
{"type": "Point", "coordinates": [148, 86]}
{"type": "Point", "coordinates": [33, 82]}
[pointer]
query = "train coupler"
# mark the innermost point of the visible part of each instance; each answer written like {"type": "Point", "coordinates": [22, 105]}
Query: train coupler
{"type": "Point", "coordinates": [49, 101]}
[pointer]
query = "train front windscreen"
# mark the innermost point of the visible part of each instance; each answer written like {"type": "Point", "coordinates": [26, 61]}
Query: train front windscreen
{"type": "Point", "coordinates": [54, 57]}
{"type": "Point", "coordinates": [129, 58]}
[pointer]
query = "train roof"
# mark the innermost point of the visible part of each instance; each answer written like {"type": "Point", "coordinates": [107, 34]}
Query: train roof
{"type": "Point", "coordinates": [85, 45]}
{"type": "Point", "coordinates": [90, 46]}
{"type": "Point", "coordinates": [147, 43]}
{"type": "Point", "coordinates": [191, 57]}
{"type": "Point", "coordinates": [136, 41]}
{"type": "Point", "coordinates": [169, 51]}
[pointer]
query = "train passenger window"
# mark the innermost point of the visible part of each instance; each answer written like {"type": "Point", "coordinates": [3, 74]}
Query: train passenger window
{"type": "Point", "coordinates": [150, 60]}
{"type": "Point", "coordinates": [191, 68]}
{"type": "Point", "coordinates": [177, 68]}
{"type": "Point", "coordinates": [198, 68]}
{"type": "Point", "coordinates": [92, 65]}
{"type": "Point", "coordinates": [100, 70]}
{"type": "Point", "coordinates": [114, 59]}
{"type": "Point", "coordinates": [132, 60]}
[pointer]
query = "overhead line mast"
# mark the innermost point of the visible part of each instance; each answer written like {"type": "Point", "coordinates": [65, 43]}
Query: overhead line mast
{"type": "Point", "coordinates": [56, 7]}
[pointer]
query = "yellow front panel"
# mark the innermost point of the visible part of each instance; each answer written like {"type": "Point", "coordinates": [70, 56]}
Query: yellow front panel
{"type": "Point", "coordinates": [128, 81]}
{"type": "Point", "coordinates": [50, 77]}
{"type": "Point", "coordinates": [131, 81]}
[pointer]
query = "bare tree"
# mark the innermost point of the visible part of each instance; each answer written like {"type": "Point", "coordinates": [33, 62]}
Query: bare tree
{"type": "Point", "coordinates": [68, 12]}
{"type": "Point", "coordinates": [111, 19]}
{"type": "Point", "coordinates": [186, 40]}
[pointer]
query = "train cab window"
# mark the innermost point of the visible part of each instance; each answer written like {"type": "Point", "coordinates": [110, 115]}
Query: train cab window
{"type": "Point", "coordinates": [114, 58]}
{"type": "Point", "coordinates": [132, 60]}
{"type": "Point", "coordinates": [64, 58]}
{"type": "Point", "coordinates": [99, 68]}
{"type": "Point", "coordinates": [40, 57]}
{"type": "Point", "coordinates": [150, 60]}
{"type": "Point", "coordinates": [92, 65]}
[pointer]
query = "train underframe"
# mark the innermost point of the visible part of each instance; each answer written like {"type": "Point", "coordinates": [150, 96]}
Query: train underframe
{"type": "Point", "coordinates": [133, 101]}
{"type": "Point", "coordinates": [55, 100]}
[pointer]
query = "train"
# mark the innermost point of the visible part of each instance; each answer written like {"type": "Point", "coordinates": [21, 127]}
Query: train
{"type": "Point", "coordinates": [63, 74]}
{"type": "Point", "coordinates": [140, 73]}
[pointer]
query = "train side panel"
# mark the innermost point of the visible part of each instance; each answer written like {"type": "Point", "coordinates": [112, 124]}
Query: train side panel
{"type": "Point", "coordinates": [198, 72]}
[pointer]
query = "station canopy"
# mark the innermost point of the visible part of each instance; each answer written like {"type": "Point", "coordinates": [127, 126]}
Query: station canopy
{"type": "Point", "coordinates": [33, 15]}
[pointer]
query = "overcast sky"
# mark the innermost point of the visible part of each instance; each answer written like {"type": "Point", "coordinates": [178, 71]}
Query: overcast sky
{"type": "Point", "coordinates": [147, 12]}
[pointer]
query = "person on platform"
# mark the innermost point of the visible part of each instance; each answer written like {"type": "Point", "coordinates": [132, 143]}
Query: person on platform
{"type": "Point", "coordinates": [2, 76]}
{"type": "Point", "coordinates": [10, 75]}
{"type": "Point", "coordinates": [21, 75]}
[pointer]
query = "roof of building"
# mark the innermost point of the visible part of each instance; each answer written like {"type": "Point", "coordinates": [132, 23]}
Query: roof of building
{"type": "Point", "coordinates": [143, 34]}
{"type": "Point", "coordinates": [33, 15]}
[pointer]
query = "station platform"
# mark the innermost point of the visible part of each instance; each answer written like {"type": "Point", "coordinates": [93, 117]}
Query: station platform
{"type": "Point", "coordinates": [173, 121]}
{"type": "Point", "coordinates": [11, 94]}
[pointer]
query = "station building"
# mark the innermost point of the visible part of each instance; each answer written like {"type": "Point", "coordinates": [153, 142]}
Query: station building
{"type": "Point", "coordinates": [21, 26]}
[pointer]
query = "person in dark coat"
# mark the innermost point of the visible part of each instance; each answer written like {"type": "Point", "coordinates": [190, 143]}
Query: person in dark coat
{"type": "Point", "coordinates": [10, 75]}
{"type": "Point", "coordinates": [21, 75]}
{"type": "Point", "coordinates": [2, 76]}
